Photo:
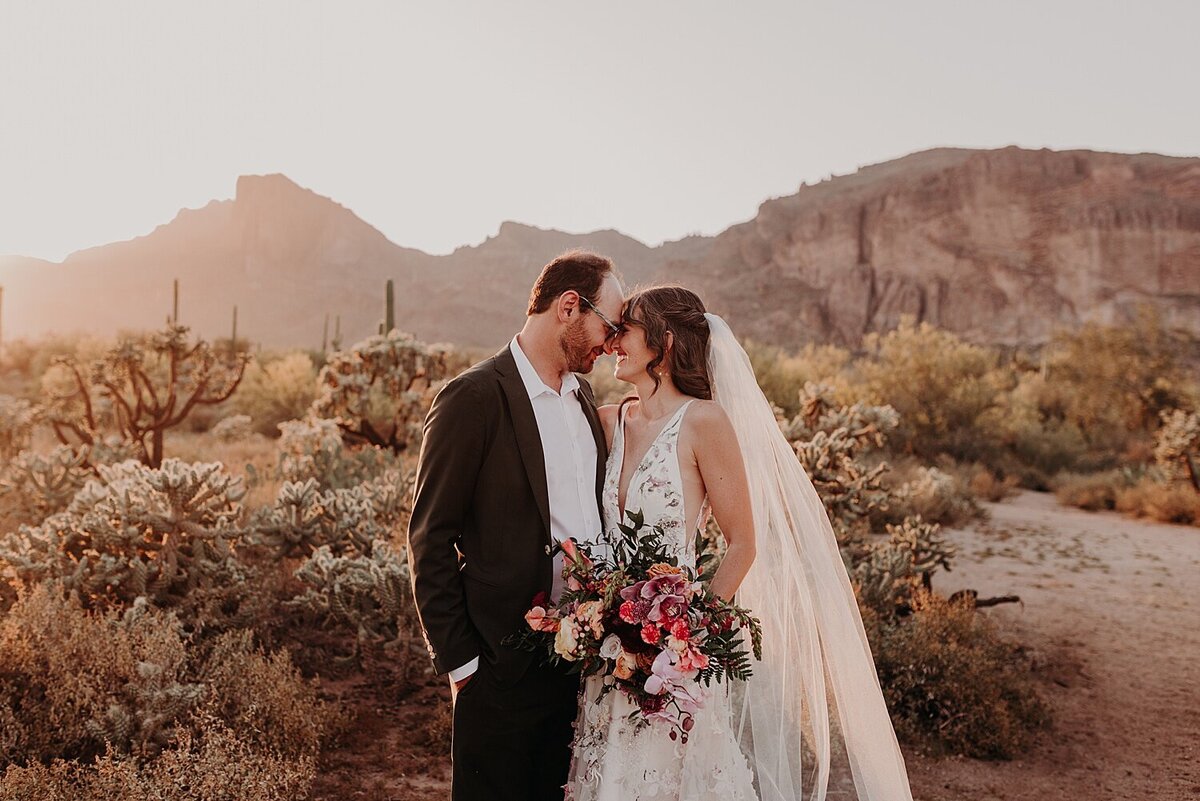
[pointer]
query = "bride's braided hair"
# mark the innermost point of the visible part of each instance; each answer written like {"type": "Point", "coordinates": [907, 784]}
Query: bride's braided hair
{"type": "Point", "coordinates": [660, 309]}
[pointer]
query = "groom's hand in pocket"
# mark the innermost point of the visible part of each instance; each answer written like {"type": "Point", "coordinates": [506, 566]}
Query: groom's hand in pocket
{"type": "Point", "coordinates": [457, 686]}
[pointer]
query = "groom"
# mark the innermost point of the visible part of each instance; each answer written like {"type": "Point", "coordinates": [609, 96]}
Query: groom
{"type": "Point", "coordinates": [512, 463]}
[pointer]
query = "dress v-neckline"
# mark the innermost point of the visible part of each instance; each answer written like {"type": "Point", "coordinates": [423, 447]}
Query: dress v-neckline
{"type": "Point", "coordinates": [642, 461]}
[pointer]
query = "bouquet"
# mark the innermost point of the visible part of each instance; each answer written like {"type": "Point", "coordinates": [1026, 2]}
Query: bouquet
{"type": "Point", "coordinates": [649, 626]}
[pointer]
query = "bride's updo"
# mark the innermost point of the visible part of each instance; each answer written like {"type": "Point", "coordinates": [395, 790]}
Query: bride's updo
{"type": "Point", "coordinates": [661, 309]}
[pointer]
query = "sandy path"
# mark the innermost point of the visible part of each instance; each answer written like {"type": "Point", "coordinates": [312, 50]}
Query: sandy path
{"type": "Point", "coordinates": [1111, 613]}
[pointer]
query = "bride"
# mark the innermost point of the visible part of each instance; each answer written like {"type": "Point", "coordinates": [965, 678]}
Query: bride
{"type": "Point", "coordinates": [701, 437]}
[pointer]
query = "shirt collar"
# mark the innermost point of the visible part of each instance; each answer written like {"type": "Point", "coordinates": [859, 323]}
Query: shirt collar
{"type": "Point", "coordinates": [534, 384]}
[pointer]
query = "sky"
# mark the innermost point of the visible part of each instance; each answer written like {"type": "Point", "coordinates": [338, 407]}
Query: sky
{"type": "Point", "coordinates": [437, 121]}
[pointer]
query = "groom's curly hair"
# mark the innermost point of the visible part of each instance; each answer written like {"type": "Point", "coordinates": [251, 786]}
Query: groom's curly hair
{"type": "Point", "coordinates": [660, 309]}
{"type": "Point", "coordinates": [579, 270]}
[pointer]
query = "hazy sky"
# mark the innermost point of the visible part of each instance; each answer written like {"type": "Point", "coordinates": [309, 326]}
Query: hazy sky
{"type": "Point", "coordinates": [436, 121]}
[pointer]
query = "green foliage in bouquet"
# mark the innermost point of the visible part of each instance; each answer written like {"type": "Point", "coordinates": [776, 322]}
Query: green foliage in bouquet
{"type": "Point", "coordinates": [646, 624]}
{"type": "Point", "coordinates": [378, 391]}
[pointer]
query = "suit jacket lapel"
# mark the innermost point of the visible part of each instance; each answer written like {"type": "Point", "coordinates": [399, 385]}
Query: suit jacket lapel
{"type": "Point", "coordinates": [525, 426]}
{"type": "Point", "coordinates": [588, 402]}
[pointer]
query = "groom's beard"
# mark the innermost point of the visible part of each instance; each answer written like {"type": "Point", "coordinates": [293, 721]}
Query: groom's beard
{"type": "Point", "coordinates": [574, 341]}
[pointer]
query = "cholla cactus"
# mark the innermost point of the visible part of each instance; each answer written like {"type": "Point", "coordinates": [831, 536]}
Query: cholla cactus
{"type": "Point", "coordinates": [830, 441]}
{"type": "Point", "coordinates": [167, 534]}
{"type": "Point", "coordinates": [234, 428]}
{"type": "Point", "coordinates": [849, 489]}
{"type": "Point", "coordinates": [143, 386]}
{"type": "Point", "coordinates": [868, 424]}
{"type": "Point", "coordinates": [370, 593]}
{"type": "Point", "coordinates": [306, 518]}
{"type": "Point", "coordinates": [378, 390]}
{"type": "Point", "coordinates": [17, 418]}
{"type": "Point", "coordinates": [44, 484]}
{"type": "Point", "coordinates": [314, 448]}
{"type": "Point", "coordinates": [141, 719]}
{"type": "Point", "coordinates": [934, 495]}
{"type": "Point", "coordinates": [890, 572]}
{"type": "Point", "coordinates": [1177, 446]}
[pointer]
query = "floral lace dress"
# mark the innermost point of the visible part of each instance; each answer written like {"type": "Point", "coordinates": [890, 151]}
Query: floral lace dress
{"type": "Point", "coordinates": [612, 757]}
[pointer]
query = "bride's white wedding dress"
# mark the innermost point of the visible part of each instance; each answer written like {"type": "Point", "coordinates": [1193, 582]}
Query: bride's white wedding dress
{"type": "Point", "coordinates": [811, 721]}
{"type": "Point", "coordinates": [612, 757]}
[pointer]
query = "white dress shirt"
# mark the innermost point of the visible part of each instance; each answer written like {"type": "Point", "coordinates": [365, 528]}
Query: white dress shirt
{"type": "Point", "coordinates": [569, 451]}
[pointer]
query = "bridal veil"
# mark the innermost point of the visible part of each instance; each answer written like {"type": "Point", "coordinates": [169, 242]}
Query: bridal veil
{"type": "Point", "coordinates": [812, 719]}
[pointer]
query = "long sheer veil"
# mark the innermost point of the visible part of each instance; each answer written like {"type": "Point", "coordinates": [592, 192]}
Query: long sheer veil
{"type": "Point", "coordinates": [812, 719]}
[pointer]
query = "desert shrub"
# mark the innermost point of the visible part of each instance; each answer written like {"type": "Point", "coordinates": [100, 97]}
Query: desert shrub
{"type": "Point", "coordinates": [952, 682]}
{"type": "Point", "coordinates": [35, 486]}
{"type": "Point", "coordinates": [940, 386]}
{"type": "Point", "coordinates": [211, 765]}
{"type": "Point", "coordinates": [782, 377]}
{"type": "Point", "coordinates": [366, 593]}
{"type": "Point", "coordinates": [276, 391]}
{"type": "Point", "coordinates": [1166, 502]}
{"type": "Point", "coordinates": [1113, 380]}
{"type": "Point", "coordinates": [933, 495]}
{"type": "Point", "coordinates": [379, 390]}
{"type": "Point", "coordinates": [1091, 491]}
{"type": "Point", "coordinates": [314, 448]}
{"type": "Point", "coordinates": [265, 697]}
{"type": "Point", "coordinates": [17, 418]}
{"type": "Point", "coordinates": [369, 594]}
{"type": "Point", "coordinates": [234, 428]}
{"type": "Point", "coordinates": [985, 484]}
{"type": "Point", "coordinates": [1032, 440]}
{"type": "Point", "coordinates": [72, 680]}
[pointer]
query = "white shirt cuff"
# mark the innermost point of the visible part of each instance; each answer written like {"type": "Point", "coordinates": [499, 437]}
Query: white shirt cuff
{"type": "Point", "coordinates": [458, 674]}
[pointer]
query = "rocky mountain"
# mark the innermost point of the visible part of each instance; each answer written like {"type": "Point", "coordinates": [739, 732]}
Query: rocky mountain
{"type": "Point", "coordinates": [1000, 246]}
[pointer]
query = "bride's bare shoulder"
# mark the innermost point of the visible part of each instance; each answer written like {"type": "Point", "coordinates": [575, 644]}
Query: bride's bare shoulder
{"type": "Point", "coordinates": [706, 420]}
{"type": "Point", "coordinates": [706, 413]}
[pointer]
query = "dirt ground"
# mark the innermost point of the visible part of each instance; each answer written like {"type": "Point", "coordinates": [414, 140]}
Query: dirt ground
{"type": "Point", "coordinates": [1109, 607]}
{"type": "Point", "coordinates": [1108, 610]}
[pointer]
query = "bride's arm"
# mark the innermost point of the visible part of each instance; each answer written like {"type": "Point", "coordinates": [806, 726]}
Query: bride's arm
{"type": "Point", "coordinates": [719, 458]}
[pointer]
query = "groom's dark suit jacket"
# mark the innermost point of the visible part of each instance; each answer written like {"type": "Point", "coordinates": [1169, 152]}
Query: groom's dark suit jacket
{"type": "Point", "coordinates": [480, 529]}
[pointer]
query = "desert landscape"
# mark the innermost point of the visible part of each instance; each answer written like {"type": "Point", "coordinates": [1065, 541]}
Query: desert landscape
{"type": "Point", "coordinates": [244, 247]}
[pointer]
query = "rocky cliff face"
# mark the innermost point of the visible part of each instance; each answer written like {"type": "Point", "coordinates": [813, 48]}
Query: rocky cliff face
{"type": "Point", "coordinates": [1000, 246]}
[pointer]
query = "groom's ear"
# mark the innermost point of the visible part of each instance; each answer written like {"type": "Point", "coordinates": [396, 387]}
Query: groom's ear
{"type": "Point", "coordinates": [567, 305]}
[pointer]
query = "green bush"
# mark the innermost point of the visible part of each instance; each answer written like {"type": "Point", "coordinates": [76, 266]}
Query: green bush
{"type": "Point", "coordinates": [277, 390]}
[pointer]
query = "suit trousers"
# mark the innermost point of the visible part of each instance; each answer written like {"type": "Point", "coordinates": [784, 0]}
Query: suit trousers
{"type": "Point", "coordinates": [512, 742]}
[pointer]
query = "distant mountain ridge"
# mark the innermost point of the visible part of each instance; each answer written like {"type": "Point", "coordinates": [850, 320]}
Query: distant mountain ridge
{"type": "Point", "coordinates": [1000, 246]}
